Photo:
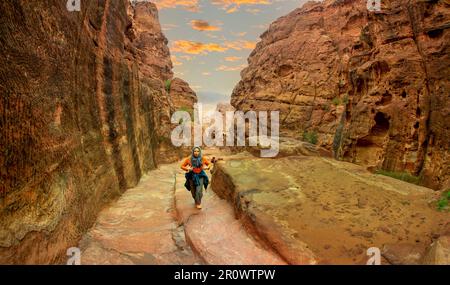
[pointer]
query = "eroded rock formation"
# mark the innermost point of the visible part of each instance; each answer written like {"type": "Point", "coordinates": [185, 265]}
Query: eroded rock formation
{"type": "Point", "coordinates": [149, 48]}
{"type": "Point", "coordinates": [374, 86]}
{"type": "Point", "coordinates": [181, 94]}
{"type": "Point", "coordinates": [83, 108]}
{"type": "Point", "coordinates": [312, 209]}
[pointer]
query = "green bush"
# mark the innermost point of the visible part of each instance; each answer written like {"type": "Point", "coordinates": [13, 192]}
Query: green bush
{"type": "Point", "coordinates": [167, 84]}
{"type": "Point", "coordinates": [326, 107]}
{"type": "Point", "coordinates": [443, 203]}
{"type": "Point", "coordinates": [336, 101]}
{"type": "Point", "coordinates": [310, 137]}
{"type": "Point", "coordinates": [345, 101]}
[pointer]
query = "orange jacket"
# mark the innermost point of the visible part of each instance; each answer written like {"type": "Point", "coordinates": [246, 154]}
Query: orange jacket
{"type": "Point", "coordinates": [187, 162]}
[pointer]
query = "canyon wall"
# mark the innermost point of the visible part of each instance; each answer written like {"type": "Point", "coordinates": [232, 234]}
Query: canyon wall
{"type": "Point", "coordinates": [83, 110]}
{"type": "Point", "coordinates": [150, 50]}
{"type": "Point", "coordinates": [373, 86]}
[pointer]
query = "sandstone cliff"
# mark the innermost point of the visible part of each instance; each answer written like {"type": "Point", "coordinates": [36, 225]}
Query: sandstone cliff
{"type": "Point", "coordinates": [83, 108]}
{"type": "Point", "coordinates": [374, 86]}
{"type": "Point", "coordinates": [149, 48]}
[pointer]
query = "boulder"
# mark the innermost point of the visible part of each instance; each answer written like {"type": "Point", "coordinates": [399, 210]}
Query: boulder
{"type": "Point", "coordinates": [403, 254]}
{"type": "Point", "coordinates": [312, 207]}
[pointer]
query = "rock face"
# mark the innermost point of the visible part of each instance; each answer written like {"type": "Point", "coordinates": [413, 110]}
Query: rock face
{"type": "Point", "coordinates": [149, 47]}
{"type": "Point", "coordinates": [439, 252]}
{"type": "Point", "coordinates": [149, 43]}
{"type": "Point", "coordinates": [289, 147]}
{"type": "Point", "coordinates": [82, 111]}
{"type": "Point", "coordinates": [403, 254]}
{"type": "Point", "coordinates": [374, 86]}
{"type": "Point", "coordinates": [182, 96]}
{"type": "Point", "coordinates": [316, 209]}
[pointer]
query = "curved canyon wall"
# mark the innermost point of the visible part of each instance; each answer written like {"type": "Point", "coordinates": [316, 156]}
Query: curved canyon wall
{"type": "Point", "coordinates": [83, 111]}
{"type": "Point", "coordinates": [373, 86]}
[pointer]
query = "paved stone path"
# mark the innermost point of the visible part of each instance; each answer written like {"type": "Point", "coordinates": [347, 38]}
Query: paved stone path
{"type": "Point", "coordinates": [156, 223]}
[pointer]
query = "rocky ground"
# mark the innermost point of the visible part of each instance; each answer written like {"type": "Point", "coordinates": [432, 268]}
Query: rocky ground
{"type": "Point", "coordinates": [85, 113]}
{"type": "Point", "coordinates": [141, 227]}
{"type": "Point", "coordinates": [335, 210]}
{"type": "Point", "coordinates": [156, 223]}
{"type": "Point", "coordinates": [313, 211]}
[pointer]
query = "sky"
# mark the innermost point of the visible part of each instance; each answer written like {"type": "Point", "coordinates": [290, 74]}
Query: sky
{"type": "Point", "coordinates": [210, 41]}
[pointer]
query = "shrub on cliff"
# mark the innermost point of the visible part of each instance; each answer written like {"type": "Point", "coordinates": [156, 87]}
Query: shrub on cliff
{"type": "Point", "coordinates": [167, 85]}
{"type": "Point", "coordinates": [336, 101]}
{"type": "Point", "coordinates": [443, 203]}
{"type": "Point", "coordinates": [310, 137]}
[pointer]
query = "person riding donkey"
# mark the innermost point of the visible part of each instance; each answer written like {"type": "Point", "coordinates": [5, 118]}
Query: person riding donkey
{"type": "Point", "coordinates": [196, 178]}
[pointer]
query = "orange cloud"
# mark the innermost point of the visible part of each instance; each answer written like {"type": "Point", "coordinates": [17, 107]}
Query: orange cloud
{"type": "Point", "coordinates": [239, 45]}
{"type": "Point", "coordinates": [175, 61]}
{"type": "Point", "coordinates": [249, 45]}
{"type": "Point", "coordinates": [191, 47]}
{"type": "Point", "coordinates": [201, 25]}
{"type": "Point", "coordinates": [228, 3]}
{"type": "Point", "coordinates": [232, 10]}
{"type": "Point", "coordinates": [233, 58]}
{"type": "Point", "coordinates": [190, 5]}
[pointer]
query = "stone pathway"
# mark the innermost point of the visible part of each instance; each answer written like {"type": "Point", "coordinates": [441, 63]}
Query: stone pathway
{"type": "Point", "coordinates": [156, 223]}
{"type": "Point", "coordinates": [215, 234]}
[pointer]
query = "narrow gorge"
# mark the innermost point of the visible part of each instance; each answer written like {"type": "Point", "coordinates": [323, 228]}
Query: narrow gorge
{"type": "Point", "coordinates": [87, 161]}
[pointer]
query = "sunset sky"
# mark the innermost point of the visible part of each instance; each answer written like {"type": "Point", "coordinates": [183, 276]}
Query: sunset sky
{"type": "Point", "coordinates": [210, 41]}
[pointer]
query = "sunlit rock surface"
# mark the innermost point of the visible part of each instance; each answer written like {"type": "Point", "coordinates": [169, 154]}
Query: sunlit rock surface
{"type": "Point", "coordinates": [374, 86]}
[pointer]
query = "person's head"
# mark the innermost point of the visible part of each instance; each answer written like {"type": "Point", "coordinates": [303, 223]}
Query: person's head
{"type": "Point", "coordinates": [196, 151]}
